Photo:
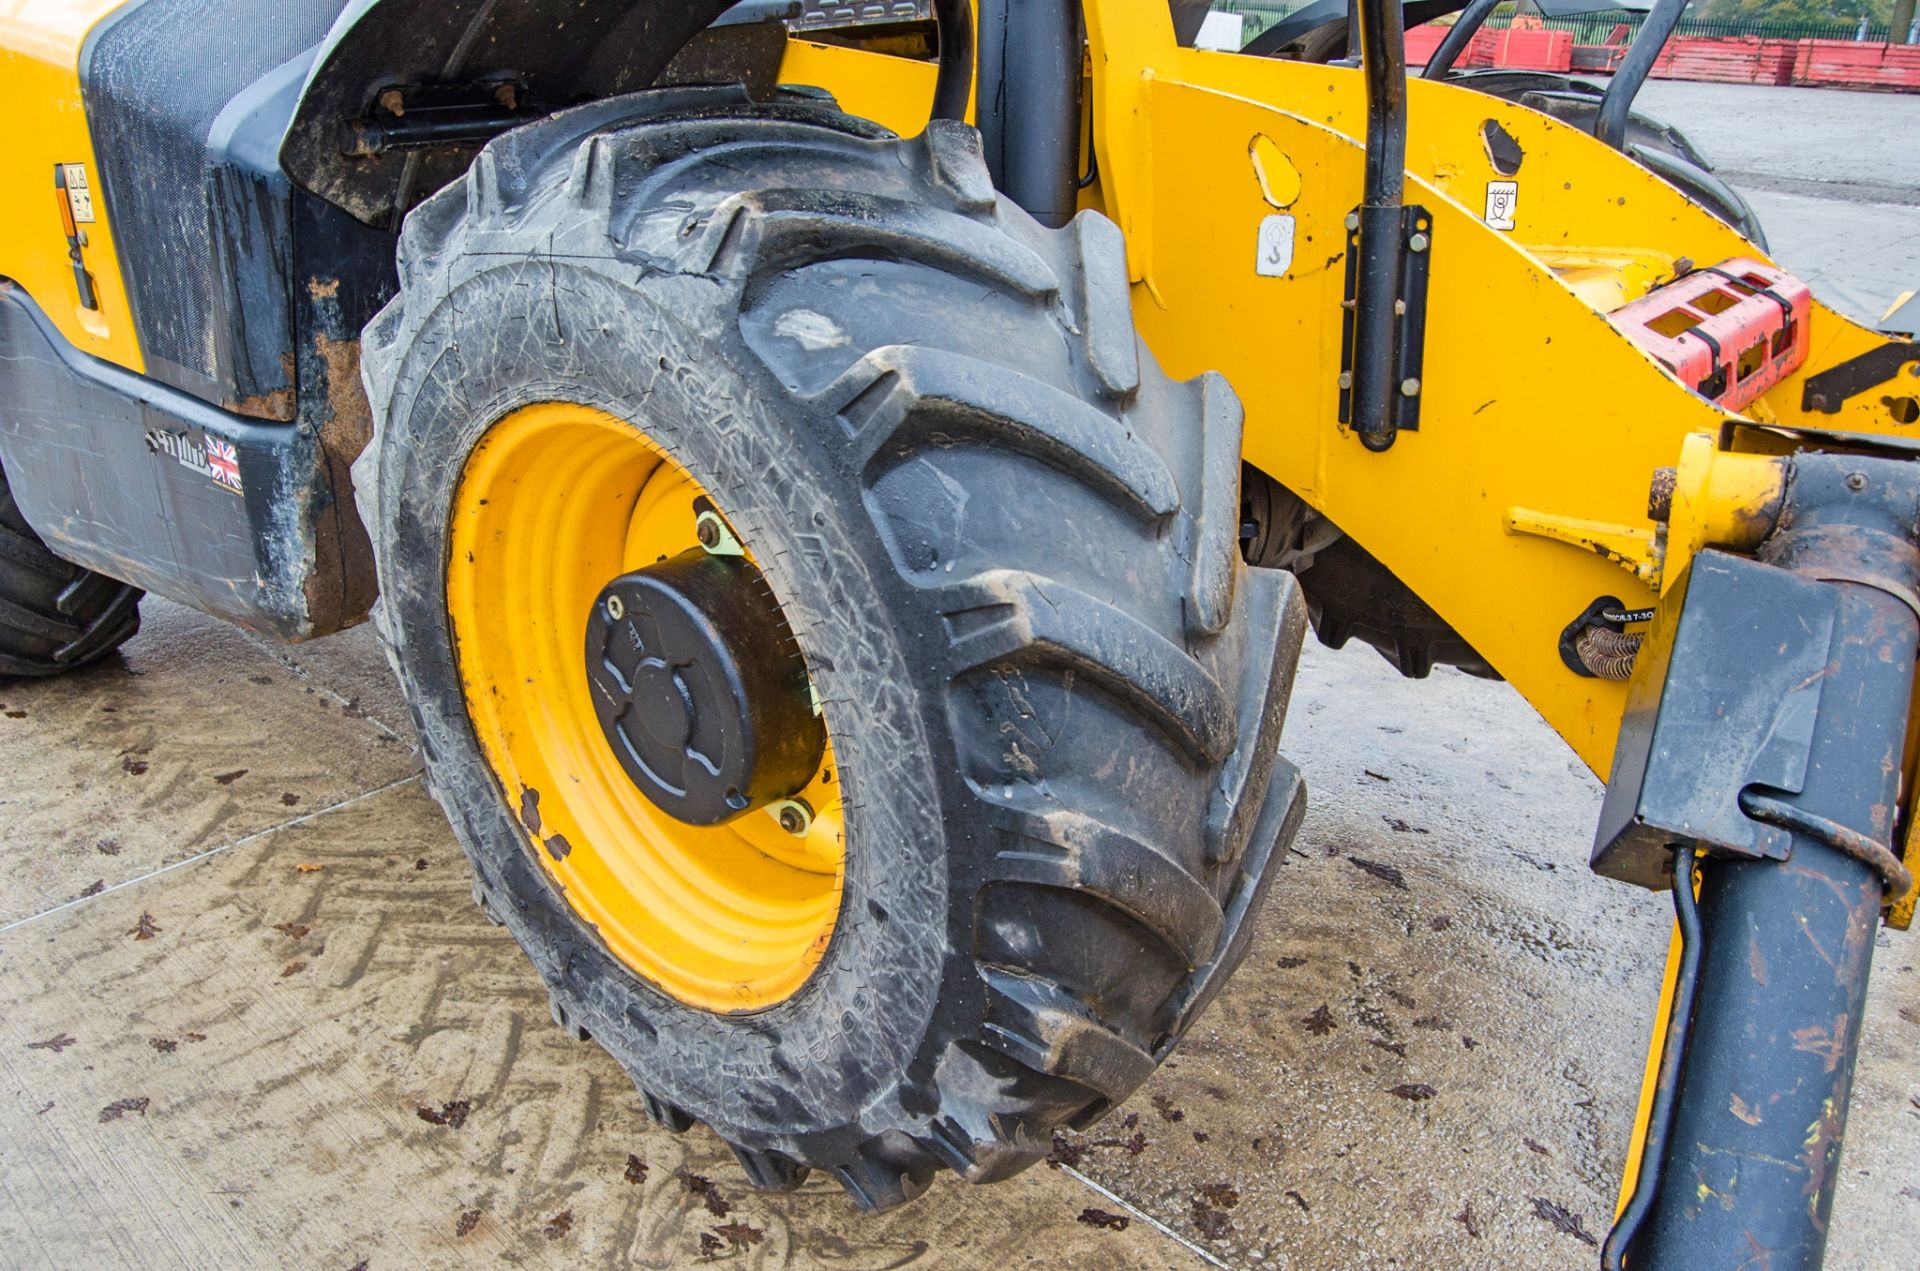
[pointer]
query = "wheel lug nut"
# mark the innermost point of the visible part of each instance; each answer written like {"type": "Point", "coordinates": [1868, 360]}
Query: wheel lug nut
{"type": "Point", "coordinates": [794, 815]}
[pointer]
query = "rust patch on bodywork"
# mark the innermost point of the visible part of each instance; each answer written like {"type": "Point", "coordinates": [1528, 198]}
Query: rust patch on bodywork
{"type": "Point", "coordinates": [341, 587]}
{"type": "Point", "coordinates": [280, 406]}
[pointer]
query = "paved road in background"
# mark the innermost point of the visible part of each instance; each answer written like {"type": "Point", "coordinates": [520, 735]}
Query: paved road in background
{"type": "Point", "coordinates": [1834, 176]}
{"type": "Point", "coordinates": [249, 1016]}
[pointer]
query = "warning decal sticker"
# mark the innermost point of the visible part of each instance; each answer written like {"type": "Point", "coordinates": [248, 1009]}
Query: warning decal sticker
{"type": "Point", "coordinates": [1502, 198]}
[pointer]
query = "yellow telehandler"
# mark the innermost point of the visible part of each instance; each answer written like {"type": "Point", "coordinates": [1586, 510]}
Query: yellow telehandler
{"type": "Point", "coordinates": [843, 500]}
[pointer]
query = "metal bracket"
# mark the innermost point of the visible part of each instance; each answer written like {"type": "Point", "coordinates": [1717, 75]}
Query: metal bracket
{"type": "Point", "coordinates": [1725, 696]}
{"type": "Point", "coordinates": [1409, 316]}
{"type": "Point", "coordinates": [426, 116]}
{"type": "Point", "coordinates": [1828, 391]}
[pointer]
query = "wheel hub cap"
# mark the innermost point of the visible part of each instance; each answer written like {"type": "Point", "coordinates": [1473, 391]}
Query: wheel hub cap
{"type": "Point", "coordinates": [700, 689]}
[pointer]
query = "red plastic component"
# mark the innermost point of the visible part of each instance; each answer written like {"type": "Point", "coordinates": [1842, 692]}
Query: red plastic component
{"type": "Point", "coordinates": [1730, 332]}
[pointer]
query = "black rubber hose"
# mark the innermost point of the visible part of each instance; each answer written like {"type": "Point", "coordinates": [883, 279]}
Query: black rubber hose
{"type": "Point", "coordinates": [955, 84]}
{"type": "Point", "coordinates": [1458, 36]}
{"type": "Point", "coordinates": [1673, 1052]}
{"type": "Point", "coordinates": [1616, 107]}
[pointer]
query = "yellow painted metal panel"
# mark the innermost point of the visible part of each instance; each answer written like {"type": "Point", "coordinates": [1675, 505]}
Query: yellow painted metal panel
{"type": "Point", "coordinates": [888, 90]}
{"type": "Point", "coordinates": [40, 44]}
{"type": "Point", "coordinates": [1535, 409]}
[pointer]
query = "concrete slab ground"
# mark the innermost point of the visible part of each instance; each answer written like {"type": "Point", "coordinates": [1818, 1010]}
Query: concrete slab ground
{"type": "Point", "coordinates": [250, 1017]}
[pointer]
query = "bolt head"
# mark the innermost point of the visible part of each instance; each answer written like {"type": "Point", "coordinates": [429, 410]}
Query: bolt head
{"type": "Point", "coordinates": [1353, 220]}
{"type": "Point", "coordinates": [1418, 242]}
{"type": "Point", "coordinates": [708, 531]}
{"type": "Point", "coordinates": [616, 608]}
{"type": "Point", "coordinates": [1856, 481]}
{"type": "Point", "coordinates": [794, 817]}
{"type": "Point", "coordinates": [1410, 387]}
{"type": "Point", "coordinates": [1346, 380]}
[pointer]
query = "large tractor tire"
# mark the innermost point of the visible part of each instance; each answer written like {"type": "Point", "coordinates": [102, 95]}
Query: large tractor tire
{"type": "Point", "coordinates": [825, 629]}
{"type": "Point", "coordinates": [54, 616]}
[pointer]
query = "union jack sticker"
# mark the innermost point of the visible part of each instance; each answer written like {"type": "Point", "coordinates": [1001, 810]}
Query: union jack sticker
{"type": "Point", "coordinates": [223, 464]}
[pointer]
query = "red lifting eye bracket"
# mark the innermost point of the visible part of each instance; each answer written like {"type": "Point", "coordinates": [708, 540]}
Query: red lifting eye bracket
{"type": "Point", "coordinates": [81, 278]}
{"type": "Point", "coordinates": [1730, 331]}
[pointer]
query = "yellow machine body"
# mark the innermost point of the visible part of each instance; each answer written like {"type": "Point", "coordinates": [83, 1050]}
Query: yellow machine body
{"type": "Point", "coordinates": [40, 47]}
{"type": "Point", "coordinates": [1523, 495]}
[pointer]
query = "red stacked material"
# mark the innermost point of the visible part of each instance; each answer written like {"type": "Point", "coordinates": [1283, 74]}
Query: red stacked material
{"type": "Point", "coordinates": [1746, 60]}
{"type": "Point", "coordinates": [1480, 48]}
{"type": "Point", "coordinates": [1846, 64]}
{"type": "Point", "coordinates": [1523, 50]}
{"type": "Point", "coordinates": [1423, 42]}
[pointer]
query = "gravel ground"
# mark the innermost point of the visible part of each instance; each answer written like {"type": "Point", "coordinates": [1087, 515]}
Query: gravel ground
{"type": "Point", "coordinates": [248, 1015]}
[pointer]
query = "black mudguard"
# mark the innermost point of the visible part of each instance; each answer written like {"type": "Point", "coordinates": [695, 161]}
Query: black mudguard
{"type": "Point", "coordinates": [555, 53]}
{"type": "Point", "coordinates": [145, 483]}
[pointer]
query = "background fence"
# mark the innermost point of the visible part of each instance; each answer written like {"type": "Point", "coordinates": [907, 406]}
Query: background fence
{"type": "Point", "coordinates": [1594, 28]}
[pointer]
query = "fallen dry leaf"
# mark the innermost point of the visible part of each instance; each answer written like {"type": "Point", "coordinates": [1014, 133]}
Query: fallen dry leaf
{"type": "Point", "coordinates": [700, 1185]}
{"type": "Point", "coordinates": [146, 928]}
{"type": "Point", "coordinates": [56, 1043]}
{"type": "Point", "coordinates": [1414, 1092]}
{"type": "Point", "coordinates": [636, 1171]}
{"type": "Point", "coordinates": [1104, 1221]}
{"type": "Point", "coordinates": [306, 868]}
{"type": "Point", "coordinates": [1563, 1219]}
{"type": "Point", "coordinates": [559, 1225]}
{"type": "Point", "coordinates": [452, 1114]}
{"type": "Point", "coordinates": [1220, 1195]}
{"type": "Point", "coordinates": [1320, 1023]}
{"type": "Point", "coordinates": [466, 1222]}
{"type": "Point", "coordinates": [120, 1107]}
{"type": "Point", "coordinates": [1385, 873]}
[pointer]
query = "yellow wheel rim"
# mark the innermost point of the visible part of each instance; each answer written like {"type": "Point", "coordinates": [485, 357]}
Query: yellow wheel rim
{"type": "Point", "coordinates": [556, 501]}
